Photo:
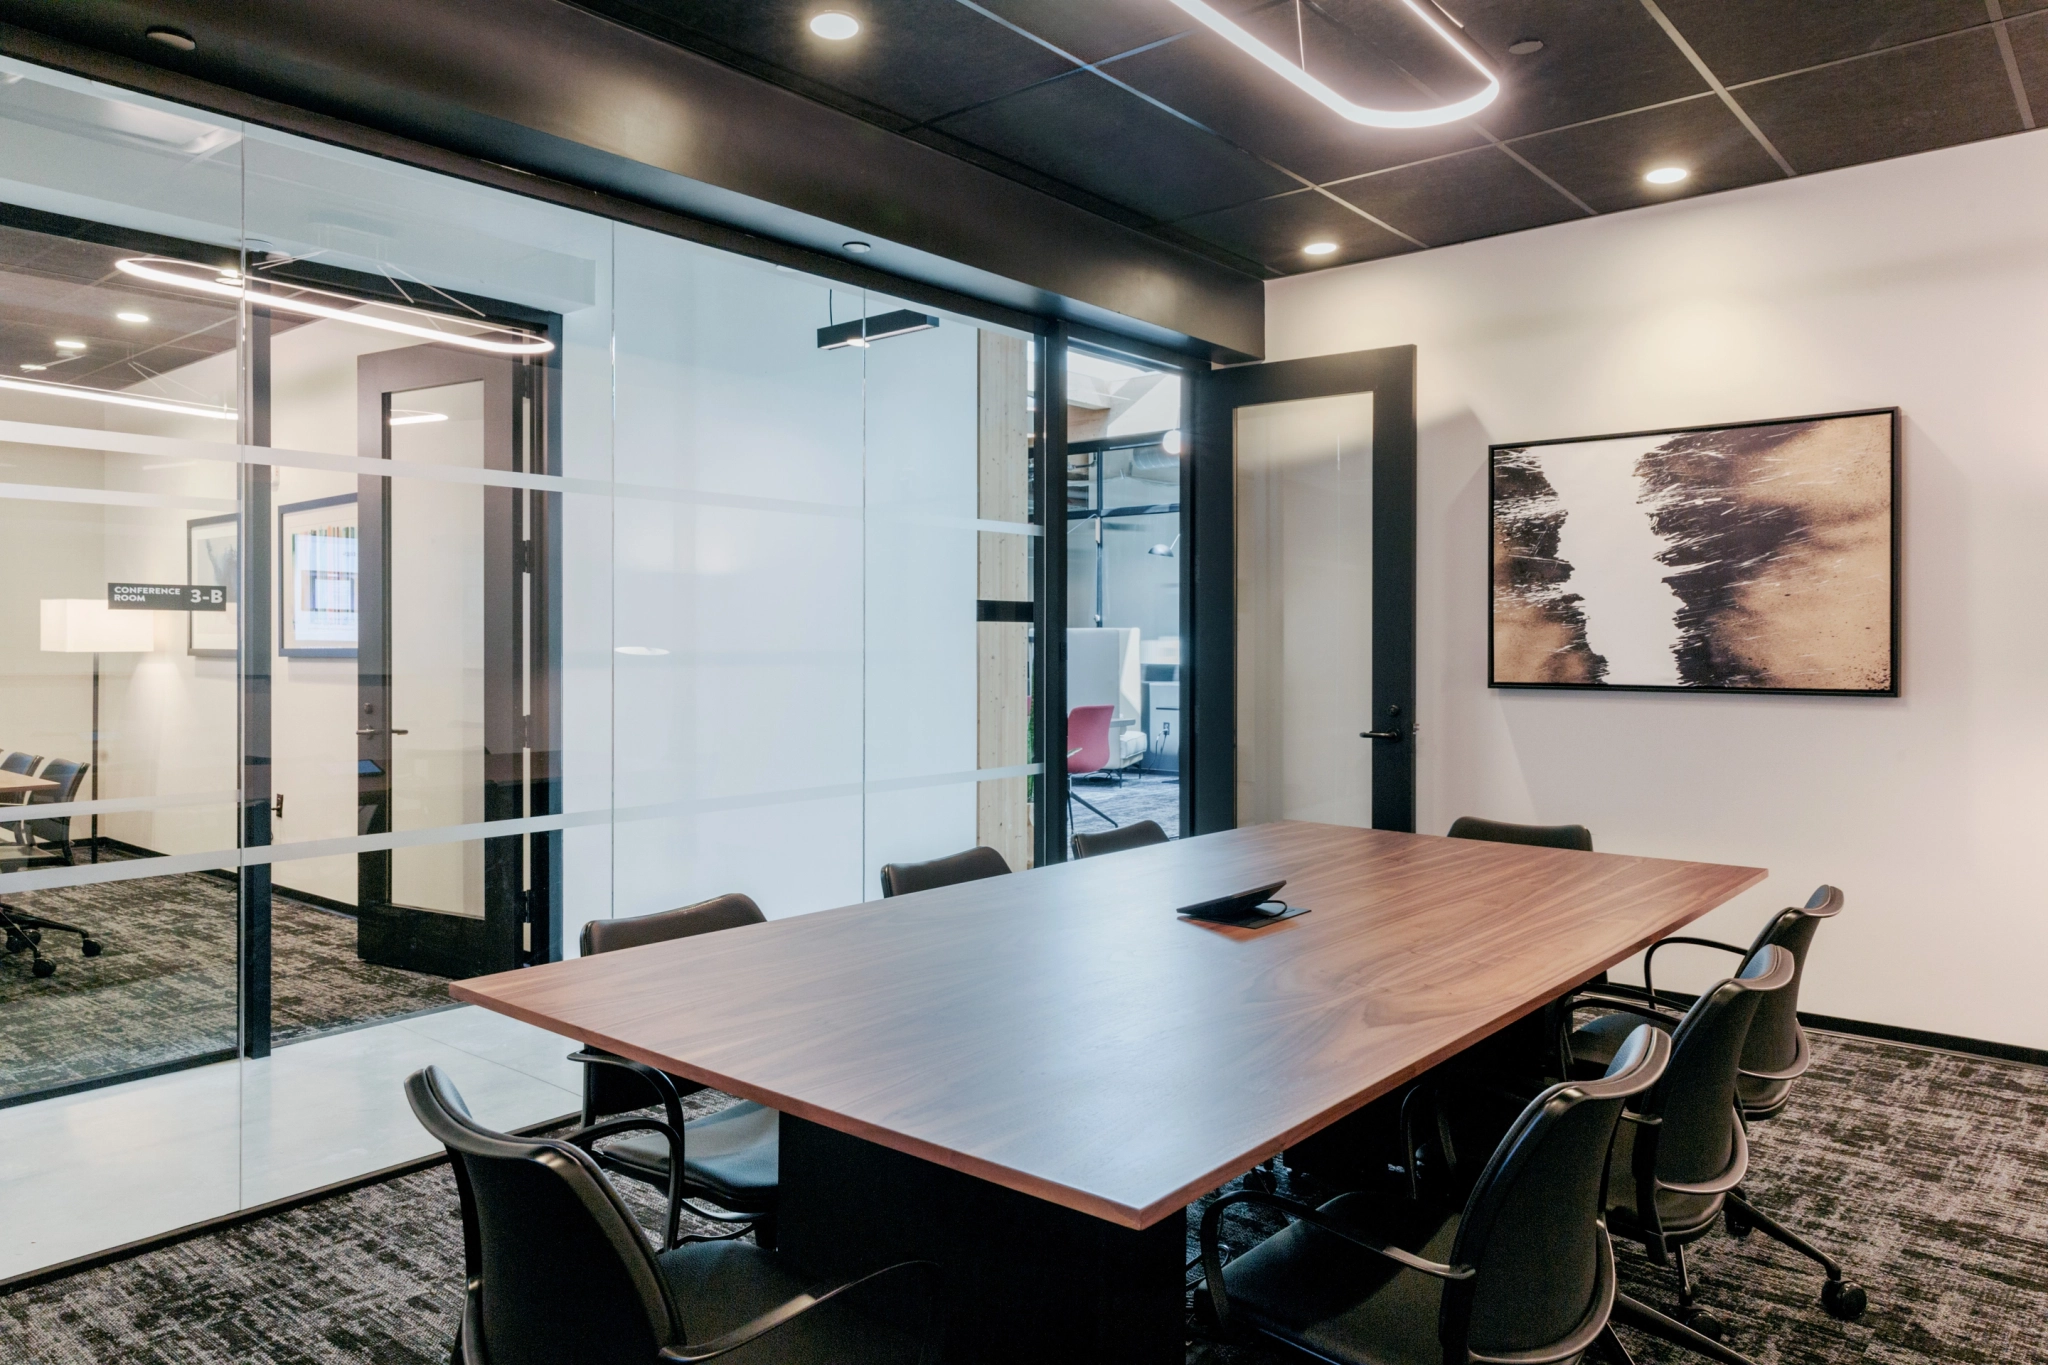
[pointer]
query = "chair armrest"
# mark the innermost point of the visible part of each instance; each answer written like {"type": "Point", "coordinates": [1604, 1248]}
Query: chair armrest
{"type": "Point", "coordinates": [803, 1303]}
{"type": "Point", "coordinates": [1212, 1260]}
{"type": "Point", "coordinates": [587, 1137]}
{"type": "Point", "coordinates": [1649, 988]}
{"type": "Point", "coordinates": [663, 1083]}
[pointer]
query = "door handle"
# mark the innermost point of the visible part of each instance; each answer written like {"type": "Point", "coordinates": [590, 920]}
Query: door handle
{"type": "Point", "coordinates": [1381, 734]}
{"type": "Point", "coordinates": [277, 808]}
{"type": "Point", "coordinates": [373, 730]}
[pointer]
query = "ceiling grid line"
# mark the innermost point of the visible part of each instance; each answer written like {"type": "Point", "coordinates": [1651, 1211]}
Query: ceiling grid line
{"type": "Point", "coordinates": [1706, 73]}
{"type": "Point", "coordinates": [2012, 63]}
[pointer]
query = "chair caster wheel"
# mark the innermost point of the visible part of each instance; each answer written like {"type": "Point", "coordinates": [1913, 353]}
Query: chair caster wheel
{"type": "Point", "coordinates": [44, 967]}
{"type": "Point", "coordinates": [1738, 1227]}
{"type": "Point", "coordinates": [35, 936]}
{"type": "Point", "coordinates": [90, 948]}
{"type": "Point", "coordinates": [1703, 1322]}
{"type": "Point", "coordinates": [1844, 1300]}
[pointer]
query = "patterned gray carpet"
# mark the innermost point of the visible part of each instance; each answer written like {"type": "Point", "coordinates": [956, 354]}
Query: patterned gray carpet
{"type": "Point", "coordinates": [1139, 796]}
{"type": "Point", "coordinates": [164, 988]}
{"type": "Point", "coordinates": [1926, 1172]}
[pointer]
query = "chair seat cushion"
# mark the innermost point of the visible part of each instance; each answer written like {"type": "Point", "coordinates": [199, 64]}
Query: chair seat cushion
{"type": "Point", "coordinates": [1595, 1042]}
{"type": "Point", "coordinates": [1683, 1217]}
{"type": "Point", "coordinates": [1340, 1301]}
{"type": "Point", "coordinates": [718, 1286]}
{"type": "Point", "coordinates": [734, 1155]}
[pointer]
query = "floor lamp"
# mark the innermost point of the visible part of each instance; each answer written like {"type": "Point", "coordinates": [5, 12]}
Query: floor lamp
{"type": "Point", "coordinates": [85, 625]}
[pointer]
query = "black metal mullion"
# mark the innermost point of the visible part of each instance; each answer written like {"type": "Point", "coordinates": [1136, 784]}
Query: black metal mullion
{"type": "Point", "coordinates": [252, 881]}
{"type": "Point", "coordinates": [1049, 658]}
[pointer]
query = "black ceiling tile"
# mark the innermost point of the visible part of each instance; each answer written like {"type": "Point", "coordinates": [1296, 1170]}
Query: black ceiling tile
{"type": "Point", "coordinates": [1208, 79]}
{"type": "Point", "coordinates": [2030, 46]}
{"type": "Point", "coordinates": [1111, 143]}
{"type": "Point", "coordinates": [1599, 57]}
{"type": "Point", "coordinates": [1273, 232]}
{"type": "Point", "coordinates": [1473, 194]}
{"type": "Point", "coordinates": [1603, 163]}
{"type": "Point", "coordinates": [1910, 99]}
{"type": "Point", "coordinates": [916, 59]}
{"type": "Point", "coordinates": [1746, 40]}
{"type": "Point", "coordinates": [1094, 30]}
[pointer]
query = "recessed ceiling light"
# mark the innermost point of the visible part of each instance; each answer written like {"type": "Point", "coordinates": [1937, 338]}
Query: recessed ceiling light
{"type": "Point", "coordinates": [1667, 175]}
{"type": "Point", "coordinates": [35, 367]}
{"type": "Point", "coordinates": [1319, 248]}
{"type": "Point", "coordinates": [1526, 47]}
{"type": "Point", "coordinates": [858, 248]}
{"type": "Point", "coordinates": [66, 344]}
{"type": "Point", "coordinates": [171, 37]}
{"type": "Point", "coordinates": [835, 25]}
{"type": "Point", "coordinates": [132, 317]}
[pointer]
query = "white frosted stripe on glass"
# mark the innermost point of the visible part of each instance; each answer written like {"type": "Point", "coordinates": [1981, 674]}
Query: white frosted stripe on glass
{"type": "Point", "coordinates": [56, 809]}
{"type": "Point", "coordinates": [1009, 528]}
{"type": "Point", "coordinates": [107, 497]}
{"type": "Point", "coordinates": [128, 870]}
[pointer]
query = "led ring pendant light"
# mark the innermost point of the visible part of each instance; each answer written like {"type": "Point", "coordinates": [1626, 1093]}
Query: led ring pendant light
{"type": "Point", "coordinates": [227, 284]}
{"type": "Point", "coordinates": [1357, 113]}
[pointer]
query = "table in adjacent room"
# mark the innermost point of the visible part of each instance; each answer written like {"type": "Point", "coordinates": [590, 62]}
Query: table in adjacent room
{"type": "Point", "coordinates": [1028, 1078]}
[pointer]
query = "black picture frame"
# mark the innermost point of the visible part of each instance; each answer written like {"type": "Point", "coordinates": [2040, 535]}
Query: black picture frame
{"type": "Point", "coordinates": [286, 567]}
{"type": "Point", "coordinates": [1893, 597]}
{"type": "Point", "coordinates": [211, 577]}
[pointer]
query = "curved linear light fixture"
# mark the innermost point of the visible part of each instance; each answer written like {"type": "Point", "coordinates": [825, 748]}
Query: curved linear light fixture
{"type": "Point", "coordinates": [120, 400]}
{"type": "Point", "coordinates": [1357, 113]}
{"type": "Point", "coordinates": [206, 279]}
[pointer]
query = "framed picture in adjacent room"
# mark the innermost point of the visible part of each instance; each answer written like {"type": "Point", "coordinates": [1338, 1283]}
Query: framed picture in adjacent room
{"type": "Point", "coordinates": [316, 578]}
{"type": "Point", "coordinates": [213, 560]}
{"type": "Point", "coordinates": [1755, 557]}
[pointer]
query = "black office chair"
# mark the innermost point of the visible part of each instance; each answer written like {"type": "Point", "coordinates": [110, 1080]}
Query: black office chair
{"type": "Point", "coordinates": [1682, 1150]}
{"type": "Point", "coordinates": [53, 834]}
{"type": "Point", "coordinates": [1501, 832]}
{"type": "Point", "coordinates": [1774, 1055]}
{"type": "Point", "coordinates": [1137, 834]}
{"type": "Point", "coordinates": [1523, 1273]}
{"type": "Point", "coordinates": [732, 1158]}
{"type": "Point", "coordinates": [558, 1273]}
{"type": "Point", "coordinates": [900, 879]}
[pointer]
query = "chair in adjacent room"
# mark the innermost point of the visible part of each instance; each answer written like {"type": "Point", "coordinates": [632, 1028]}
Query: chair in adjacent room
{"type": "Point", "coordinates": [51, 838]}
{"type": "Point", "coordinates": [556, 1269]}
{"type": "Point", "coordinates": [1682, 1150]}
{"type": "Point", "coordinates": [731, 1159]}
{"type": "Point", "coordinates": [25, 765]}
{"type": "Point", "coordinates": [1087, 752]}
{"type": "Point", "coordinates": [1137, 834]}
{"type": "Point", "coordinates": [900, 879]}
{"type": "Point", "coordinates": [1523, 1272]}
{"type": "Point", "coordinates": [24, 932]}
{"type": "Point", "coordinates": [1775, 1054]}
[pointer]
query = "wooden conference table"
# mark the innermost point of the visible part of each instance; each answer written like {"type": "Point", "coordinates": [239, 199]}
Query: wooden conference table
{"type": "Point", "coordinates": [1028, 1078]}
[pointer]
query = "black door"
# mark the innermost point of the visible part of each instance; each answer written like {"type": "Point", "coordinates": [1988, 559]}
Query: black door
{"type": "Point", "coordinates": [442, 677]}
{"type": "Point", "coordinates": [1301, 514]}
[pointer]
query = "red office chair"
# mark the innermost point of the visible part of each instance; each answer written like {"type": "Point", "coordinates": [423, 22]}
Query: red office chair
{"type": "Point", "coordinates": [1088, 733]}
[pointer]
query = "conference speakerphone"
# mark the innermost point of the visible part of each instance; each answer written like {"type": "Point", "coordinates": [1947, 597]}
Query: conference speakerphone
{"type": "Point", "coordinates": [1252, 909]}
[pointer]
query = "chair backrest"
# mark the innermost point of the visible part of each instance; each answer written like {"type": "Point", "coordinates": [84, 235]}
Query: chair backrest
{"type": "Point", "coordinates": [720, 912]}
{"type": "Point", "coordinates": [1774, 1035]}
{"type": "Point", "coordinates": [1088, 738]}
{"type": "Point", "coordinates": [1137, 834]}
{"type": "Point", "coordinates": [1501, 832]}
{"type": "Point", "coordinates": [562, 1273]}
{"type": "Point", "coordinates": [66, 774]}
{"type": "Point", "coordinates": [1534, 1228]}
{"type": "Point", "coordinates": [1695, 1102]}
{"type": "Point", "coordinates": [19, 762]}
{"type": "Point", "coordinates": [900, 879]}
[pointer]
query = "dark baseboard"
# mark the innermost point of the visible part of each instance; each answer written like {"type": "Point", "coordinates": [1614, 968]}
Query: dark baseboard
{"type": "Point", "coordinates": [57, 1092]}
{"type": "Point", "coordinates": [1913, 1037]}
{"type": "Point", "coordinates": [130, 1250]}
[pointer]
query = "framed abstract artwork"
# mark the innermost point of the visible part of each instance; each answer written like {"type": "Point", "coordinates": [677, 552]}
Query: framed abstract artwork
{"type": "Point", "coordinates": [316, 578]}
{"type": "Point", "coordinates": [213, 559]}
{"type": "Point", "coordinates": [1754, 557]}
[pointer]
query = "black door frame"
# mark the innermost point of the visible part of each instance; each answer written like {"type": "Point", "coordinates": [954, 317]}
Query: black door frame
{"type": "Point", "coordinates": [1208, 516]}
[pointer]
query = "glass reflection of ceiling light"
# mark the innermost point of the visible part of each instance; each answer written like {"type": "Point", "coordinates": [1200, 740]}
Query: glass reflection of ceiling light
{"type": "Point", "coordinates": [119, 400]}
{"type": "Point", "coordinates": [226, 285]}
{"type": "Point", "coordinates": [69, 345]}
{"type": "Point", "coordinates": [866, 331]}
{"type": "Point", "coordinates": [1166, 551]}
{"type": "Point", "coordinates": [1336, 103]}
{"type": "Point", "coordinates": [641, 651]}
{"type": "Point", "coordinates": [1319, 248]}
{"type": "Point", "coordinates": [834, 25]}
{"type": "Point", "coordinates": [131, 317]}
{"type": "Point", "coordinates": [413, 419]}
{"type": "Point", "coordinates": [1667, 175]}
{"type": "Point", "coordinates": [1170, 442]}
{"type": "Point", "coordinates": [33, 367]}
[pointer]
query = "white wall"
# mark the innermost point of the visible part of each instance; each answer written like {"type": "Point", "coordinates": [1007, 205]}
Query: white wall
{"type": "Point", "coordinates": [1921, 283]}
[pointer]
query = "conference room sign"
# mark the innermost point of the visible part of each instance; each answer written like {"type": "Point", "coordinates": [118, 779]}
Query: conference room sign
{"type": "Point", "coordinates": [166, 597]}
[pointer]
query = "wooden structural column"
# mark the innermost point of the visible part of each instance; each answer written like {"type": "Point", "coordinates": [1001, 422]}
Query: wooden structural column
{"type": "Point", "coordinates": [1003, 667]}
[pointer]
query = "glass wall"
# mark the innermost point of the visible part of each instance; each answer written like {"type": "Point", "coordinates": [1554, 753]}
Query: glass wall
{"type": "Point", "coordinates": [1124, 560]}
{"type": "Point", "coordinates": [408, 574]}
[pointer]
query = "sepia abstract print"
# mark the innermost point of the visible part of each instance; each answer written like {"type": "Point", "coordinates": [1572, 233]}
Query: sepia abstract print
{"type": "Point", "coordinates": [1756, 557]}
